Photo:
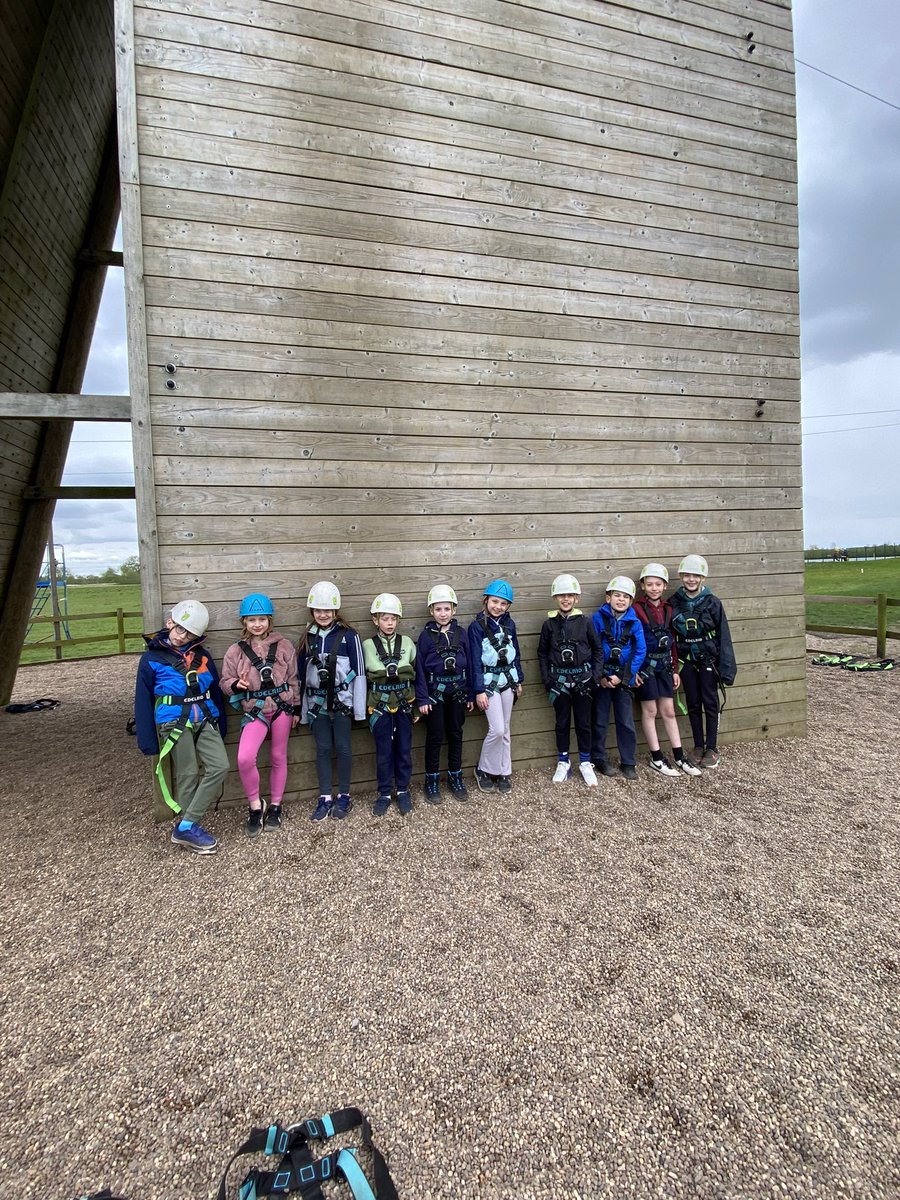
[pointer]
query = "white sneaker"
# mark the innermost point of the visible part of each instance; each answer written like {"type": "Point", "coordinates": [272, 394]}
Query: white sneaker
{"type": "Point", "coordinates": [688, 767]}
{"type": "Point", "coordinates": [562, 772]}
{"type": "Point", "coordinates": [663, 766]}
{"type": "Point", "coordinates": [588, 774]}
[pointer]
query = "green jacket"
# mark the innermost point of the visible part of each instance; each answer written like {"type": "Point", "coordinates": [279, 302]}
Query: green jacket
{"type": "Point", "coordinates": [387, 689]}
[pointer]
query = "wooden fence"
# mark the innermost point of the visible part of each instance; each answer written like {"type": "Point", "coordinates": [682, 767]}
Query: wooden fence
{"type": "Point", "coordinates": [881, 633]}
{"type": "Point", "coordinates": [56, 644]}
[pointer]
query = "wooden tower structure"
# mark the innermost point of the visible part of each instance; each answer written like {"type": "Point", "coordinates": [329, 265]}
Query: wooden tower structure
{"type": "Point", "coordinates": [423, 290]}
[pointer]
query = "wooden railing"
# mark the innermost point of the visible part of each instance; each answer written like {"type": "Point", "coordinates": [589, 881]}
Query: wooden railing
{"type": "Point", "coordinates": [56, 644]}
{"type": "Point", "coordinates": [881, 633]}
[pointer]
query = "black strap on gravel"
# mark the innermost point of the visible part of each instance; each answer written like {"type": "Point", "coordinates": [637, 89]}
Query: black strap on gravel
{"type": "Point", "coordinates": [106, 1194]}
{"type": "Point", "coordinates": [33, 706]}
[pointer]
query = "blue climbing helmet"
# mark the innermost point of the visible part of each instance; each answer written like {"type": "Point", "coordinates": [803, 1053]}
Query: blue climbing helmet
{"type": "Point", "coordinates": [257, 605]}
{"type": "Point", "coordinates": [499, 587]}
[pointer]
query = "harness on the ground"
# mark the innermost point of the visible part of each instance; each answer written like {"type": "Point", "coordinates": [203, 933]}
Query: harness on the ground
{"type": "Point", "coordinates": [268, 687]}
{"type": "Point", "coordinates": [853, 662]}
{"type": "Point", "coordinates": [324, 694]}
{"type": "Point", "coordinates": [105, 1194]}
{"type": "Point", "coordinates": [41, 705]}
{"type": "Point", "coordinates": [192, 696]}
{"type": "Point", "coordinates": [569, 676]}
{"type": "Point", "coordinates": [496, 679]}
{"type": "Point", "coordinates": [449, 682]}
{"type": "Point", "coordinates": [299, 1172]}
{"type": "Point", "coordinates": [392, 693]}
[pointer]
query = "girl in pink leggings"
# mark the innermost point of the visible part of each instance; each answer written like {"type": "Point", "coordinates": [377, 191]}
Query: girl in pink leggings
{"type": "Point", "coordinates": [259, 675]}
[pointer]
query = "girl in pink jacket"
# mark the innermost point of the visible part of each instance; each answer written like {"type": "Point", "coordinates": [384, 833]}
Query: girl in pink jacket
{"type": "Point", "coordinates": [259, 675]}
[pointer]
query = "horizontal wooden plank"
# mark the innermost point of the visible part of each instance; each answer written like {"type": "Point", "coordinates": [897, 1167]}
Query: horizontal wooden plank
{"type": "Point", "coordinates": [298, 336]}
{"type": "Point", "coordinates": [640, 325]}
{"type": "Point", "coordinates": [202, 249]}
{"type": "Point", "coordinates": [59, 406]}
{"type": "Point", "coordinates": [461, 230]}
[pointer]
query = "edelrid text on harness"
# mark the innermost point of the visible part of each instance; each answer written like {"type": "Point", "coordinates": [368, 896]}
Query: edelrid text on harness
{"type": "Point", "coordinates": [449, 682]}
{"type": "Point", "coordinates": [696, 636]}
{"type": "Point", "coordinates": [392, 692]}
{"type": "Point", "coordinates": [324, 694]}
{"type": "Point", "coordinates": [502, 674]}
{"type": "Point", "coordinates": [298, 1171]}
{"type": "Point", "coordinates": [192, 698]}
{"type": "Point", "coordinates": [568, 675]}
{"type": "Point", "coordinates": [266, 668]}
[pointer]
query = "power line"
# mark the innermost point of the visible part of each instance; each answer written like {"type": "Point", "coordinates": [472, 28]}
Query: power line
{"type": "Point", "coordinates": [869, 412]}
{"type": "Point", "coordinates": [851, 429]}
{"type": "Point", "coordinates": [838, 79]}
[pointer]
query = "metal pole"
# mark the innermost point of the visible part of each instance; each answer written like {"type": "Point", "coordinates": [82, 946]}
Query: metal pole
{"type": "Point", "coordinates": [54, 598]}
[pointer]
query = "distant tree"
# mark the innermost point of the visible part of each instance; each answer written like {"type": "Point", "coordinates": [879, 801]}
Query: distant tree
{"type": "Point", "coordinates": [130, 570]}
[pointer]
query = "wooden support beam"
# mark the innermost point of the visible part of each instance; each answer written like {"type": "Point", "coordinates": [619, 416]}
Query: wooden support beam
{"type": "Point", "coordinates": [50, 460]}
{"type": "Point", "coordinates": [78, 493]}
{"type": "Point", "coordinates": [64, 406]}
{"type": "Point", "coordinates": [101, 258]}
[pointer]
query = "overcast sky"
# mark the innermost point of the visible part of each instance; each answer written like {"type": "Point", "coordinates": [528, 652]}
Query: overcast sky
{"type": "Point", "coordinates": [849, 170]}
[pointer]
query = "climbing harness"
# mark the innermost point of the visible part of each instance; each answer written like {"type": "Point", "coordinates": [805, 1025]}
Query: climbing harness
{"type": "Point", "coordinates": [496, 677]}
{"type": "Point", "coordinates": [42, 705]}
{"type": "Point", "coordinates": [324, 695]}
{"type": "Point", "coordinates": [568, 675]}
{"type": "Point", "coordinates": [392, 692]}
{"type": "Point", "coordinates": [449, 682]}
{"type": "Point", "coordinates": [660, 658]}
{"type": "Point", "coordinates": [266, 668]}
{"type": "Point", "coordinates": [106, 1194]}
{"type": "Point", "coordinates": [853, 662]}
{"type": "Point", "coordinates": [299, 1172]}
{"type": "Point", "coordinates": [696, 637]}
{"type": "Point", "coordinates": [612, 664]}
{"type": "Point", "coordinates": [192, 696]}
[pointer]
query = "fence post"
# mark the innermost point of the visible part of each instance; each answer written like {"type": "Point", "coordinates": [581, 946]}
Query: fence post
{"type": "Point", "coordinates": [120, 628]}
{"type": "Point", "coordinates": [881, 624]}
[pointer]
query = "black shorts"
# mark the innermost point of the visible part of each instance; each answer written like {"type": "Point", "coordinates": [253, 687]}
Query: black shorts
{"type": "Point", "coordinates": [658, 686]}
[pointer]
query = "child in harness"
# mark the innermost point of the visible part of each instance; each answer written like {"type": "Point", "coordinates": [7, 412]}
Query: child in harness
{"type": "Point", "coordinates": [497, 680]}
{"type": "Point", "coordinates": [443, 691]}
{"type": "Point", "coordinates": [707, 656]}
{"type": "Point", "coordinates": [622, 651]}
{"type": "Point", "coordinates": [259, 675]}
{"type": "Point", "coordinates": [570, 662]}
{"type": "Point", "coordinates": [334, 695]}
{"type": "Point", "coordinates": [390, 669]}
{"type": "Point", "coordinates": [659, 674]}
{"type": "Point", "coordinates": [179, 715]}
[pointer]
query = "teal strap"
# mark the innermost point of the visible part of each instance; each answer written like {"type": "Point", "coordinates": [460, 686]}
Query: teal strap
{"type": "Point", "coordinates": [352, 1172]}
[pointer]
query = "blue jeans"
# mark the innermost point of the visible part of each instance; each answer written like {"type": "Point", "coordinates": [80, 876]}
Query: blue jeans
{"type": "Point", "coordinates": [622, 705]}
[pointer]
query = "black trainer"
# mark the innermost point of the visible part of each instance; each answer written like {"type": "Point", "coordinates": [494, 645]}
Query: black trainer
{"type": "Point", "coordinates": [457, 786]}
{"type": "Point", "coordinates": [503, 782]}
{"type": "Point", "coordinates": [433, 789]}
{"type": "Point", "coordinates": [485, 782]}
{"type": "Point", "coordinates": [254, 822]}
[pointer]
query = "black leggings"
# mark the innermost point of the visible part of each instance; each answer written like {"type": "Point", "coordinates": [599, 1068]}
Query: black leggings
{"type": "Point", "coordinates": [445, 721]}
{"type": "Point", "coordinates": [567, 706]}
{"type": "Point", "coordinates": [701, 692]}
{"type": "Point", "coordinates": [332, 730]}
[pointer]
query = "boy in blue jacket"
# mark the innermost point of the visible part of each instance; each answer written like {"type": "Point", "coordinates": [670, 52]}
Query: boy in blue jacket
{"type": "Point", "coordinates": [623, 651]}
{"type": "Point", "coordinates": [443, 691]}
{"type": "Point", "coordinates": [179, 711]}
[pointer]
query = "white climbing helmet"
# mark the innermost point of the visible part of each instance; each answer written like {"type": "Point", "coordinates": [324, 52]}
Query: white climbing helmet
{"type": "Point", "coordinates": [655, 571]}
{"type": "Point", "coordinates": [565, 585]}
{"type": "Point", "coordinates": [621, 583]}
{"type": "Point", "coordinates": [386, 602]}
{"type": "Point", "coordinates": [192, 616]}
{"type": "Point", "coordinates": [324, 595]}
{"type": "Point", "coordinates": [442, 593]}
{"type": "Point", "coordinates": [693, 564]}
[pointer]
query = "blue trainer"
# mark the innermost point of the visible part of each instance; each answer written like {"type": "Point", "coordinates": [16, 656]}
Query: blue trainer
{"type": "Point", "coordinates": [323, 808]}
{"type": "Point", "coordinates": [404, 803]}
{"type": "Point", "coordinates": [381, 805]}
{"type": "Point", "coordinates": [194, 838]}
{"type": "Point", "coordinates": [341, 807]}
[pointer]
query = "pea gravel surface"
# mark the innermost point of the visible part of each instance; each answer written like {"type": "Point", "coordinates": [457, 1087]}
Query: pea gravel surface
{"type": "Point", "coordinates": [667, 988]}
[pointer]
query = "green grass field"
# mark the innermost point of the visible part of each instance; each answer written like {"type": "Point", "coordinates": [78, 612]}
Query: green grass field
{"type": "Point", "coordinates": [89, 598]}
{"type": "Point", "coordinates": [852, 579]}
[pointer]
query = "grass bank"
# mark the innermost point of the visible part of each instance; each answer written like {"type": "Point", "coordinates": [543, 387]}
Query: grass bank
{"type": "Point", "coordinates": [852, 579]}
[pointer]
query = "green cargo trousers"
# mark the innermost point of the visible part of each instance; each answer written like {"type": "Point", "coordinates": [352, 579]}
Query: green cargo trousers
{"type": "Point", "coordinates": [196, 749]}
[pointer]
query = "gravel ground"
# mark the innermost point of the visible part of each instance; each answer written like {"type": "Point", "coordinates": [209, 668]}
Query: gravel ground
{"type": "Point", "coordinates": [680, 988]}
